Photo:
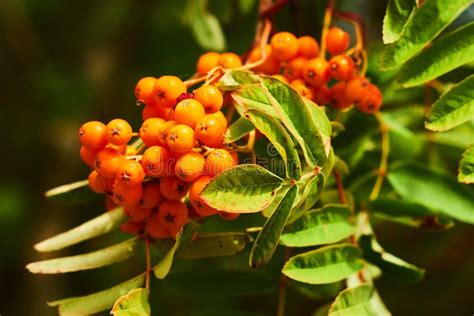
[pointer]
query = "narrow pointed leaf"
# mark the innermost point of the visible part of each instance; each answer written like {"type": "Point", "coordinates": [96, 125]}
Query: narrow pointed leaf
{"type": "Point", "coordinates": [396, 16]}
{"type": "Point", "coordinates": [63, 189]}
{"type": "Point", "coordinates": [252, 97]}
{"type": "Point", "coordinates": [97, 302]}
{"type": "Point", "coordinates": [324, 265]}
{"type": "Point", "coordinates": [90, 229]}
{"type": "Point", "coordinates": [434, 190]}
{"type": "Point", "coordinates": [466, 166]}
{"type": "Point", "coordinates": [453, 108]}
{"type": "Point", "coordinates": [87, 261]}
{"type": "Point", "coordinates": [421, 28]}
{"type": "Point", "coordinates": [355, 301]}
{"type": "Point", "coordinates": [328, 225]}
{"type": "Point", "coordinates": [72, 193]}
{"type": "Point", "coordinates": [450, 52]}
{"type": "Point", "coordinates": [312, 191]}
{"type": "Point", "coordinates": [268, 211]}
{"type": "Point", "coordinates": [268, 238]}
{"type": "Point", "coordinates": [214, 245]}
{"type": "Point", "coordinates": [135, 303]}
{"type": "Point", "coordinates": [237, 130]}
{"type": "Point", "coordinates": [206, 28]}
{"type": "Point", "coordinates": [234, 79]}
{"type": "Point", "coordinates": [319, 117]}
{"type": "Point", "coordinates": [242, 189]}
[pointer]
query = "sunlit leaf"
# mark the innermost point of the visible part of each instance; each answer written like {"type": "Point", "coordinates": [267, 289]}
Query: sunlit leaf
{"type": "Point", "coordinates": [310, 195]}
{"type": "Point", "coordinates": [237, 130]}
{"type": "Point", "coordinates": [233, 79]}
{"type": "Point", "coordinates": [214, 245]}
{"type": "Point", "coordinates": [466, 166]}
{"type": "Point", "coordinates": [397, 14]}
{"type": "Point", "coordinates": [355, 301]}
{"type": "Point", "coordinates": [72, 193]}
{"type": "Point", "coordinates": [206, 27]}
{"type": "Point", "coordinates": [135, 303]}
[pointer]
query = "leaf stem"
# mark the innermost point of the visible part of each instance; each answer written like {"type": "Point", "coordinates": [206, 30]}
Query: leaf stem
{"type": "Point", "coordinates": [282, 286]}
{"type": "Point", "coordinates": [148, 262]}
{"type": "Point", "coordinates": [382, 170]}
{"type": "Point", "coordinates": [327, 22]}
{"type": "Point", "coordinates": [340, 188]}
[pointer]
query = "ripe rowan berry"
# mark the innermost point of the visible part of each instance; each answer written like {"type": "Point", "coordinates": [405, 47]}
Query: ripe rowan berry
{"type": "Point", "coordinates": [181, 139]}
{"type": "Point", "coordinates": [150, 131]}
{"type": "Point", "coordinates": [172, 214]}
{"type": "Point", "coordinates": [373, 103]}
{"type": "Point", "coordinates": [131, 173]}
{"type": "Point", "coordinates": [200, 207]}
{"type": "Point", "coordinates": [137, 213]}
{"type": "Point", "coordinates": [294, 68]}
{"type": "Point", "coordinates": [207, 61]}
{"type": "Point", "coordinates": [164, 130]}
{"type": "Point", "coordinates": [337, 40]}
{"type": "Point", "coordinates": [308, 47]}
{"type": "Point", "coordinates": [357, 90]}
{"type": "Point", "coordinates": [166, 90]}
{"type": "Point", "coordinates": [134, 228]}
{"type": "Point", "coordinates": [119, 132]}
{"type": "Point", "coordinates": [342, 67]}
{"type": "Point", "coordinates": [210, 131]}
{"type": "Point", "coordinates": [302, 89]}
{"type": "Point", "coordinates": [221, 117]}
{"type": "Point", "coordinates": [151, 196]}
{"type": "Point", "coordinates": [338, 97]}
{"type": "Point", "coordinates": [144, 91]}
{"type": "Point", "coordinates": [93, 135]}
{"type": "Point", "coordinates": [156, 229]}
{"type": "Point", "coordinates": [322, 95]}
{"type": "Point", "coordinates": [188, 112]}
{"type": "Point", "coordinates": [156, 161]}
{"type": "Point", "coordinates": [127, 195]}
{"type": "Point", "coordinates": [228, 216]}
{"type": "Point", "coordinates": [270, 65]}
{"type": "Point", "coordinates": [190, 166]}
{"type": "Point", "coordinates": [88, 156]}
{"type": "Point", "coordinates": [154, 111]}
{"type": "Point", "coordinates": [218, 161]}
{"type": "Point", "coordinates": [229, 60]}
{"type": "Point", "coordinates": [316, 72]}
{"type": "Point", "coordinates": [95, 182]}
{"type": "Point", "coordinates": [173, 188]}
{"type": "Point", "coordinates": [107, 162]}
{"type": "Point", "coordinates": [210, 97]}
{"type": "Point", "coordinates": [284, 46]}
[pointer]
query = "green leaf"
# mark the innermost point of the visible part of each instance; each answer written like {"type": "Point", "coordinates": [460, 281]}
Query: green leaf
{"type": "Point", "coordinates": [328, 225]}
{"type": "Point", "coordinates": [65, 188]}
{"type": "Point", "coordinates": [237, 130]}
{"type": "Point", "coordinates": [252, 97]}
{"type": "Point", "coordinates": [267, 239]}
{"type": "Point", "coordinates": [87, 261]}
{"type": "Point", "coordinates": [214, 245]}
{"type": "Point", "coordinates": [450, 52]}
{"type": "Point", "coordinates": [135, 303]}
{"type": "Point", "coordinates": [317, 292]}
{"type": "Point", "coordinates": [72, 193]}
{"type": "Point", "coordinates": [320, 118]}
{"type": "Point", "coordinates": [396, 16]}
{"type": "Point", "coordinates": [453, 108]}
{"type": "Point", "coordinates": [246, 6]}
{"type": "Point", "coordinates": [206, 27]}
{"type": "Point", "coordinates": [392, 266]}
{"type": "Point", "coordinates": [312, 191]}
{"type": "Point", "coordinates": [268, 211]}
{"type": "Point", "coordinates": [280, 139]}
{"type": "Point", "coordinates": [324, 265]}
{"type": "Point", "coordinates": [421, 28]}
{"type": "Point", "coordinates": [296, 116]}
{"type": "Point", "coordinates": [183, 238]}
{"type": "Point", "coordinates": [97, 302]}
{"type": "Point", "coordinates": [242, 189]}
{"type": "Point", "coordinates": [234, 79]}
{"type": "Point", "coordinates": [355, 301]}
{"type": "Point", "coordinates": [466, 166]}
{"type": "Point", "coordinates": [90, 229]}
{"type": "Point", "coordinates": [408, 213]}
{"type": "Point", "coordinates": [434, 190]}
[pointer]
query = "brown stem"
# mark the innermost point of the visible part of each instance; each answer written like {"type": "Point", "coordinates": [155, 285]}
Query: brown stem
{"type": "Point", "coordinates": [382, 171]}
{"type": "Point", "coordinates": [148, 263]}
{"type": "Point", "coordinates": [340, 188]}
{"type": "Point", "coordinates": [326, 24]}
{"type": "Point", "coordinates": [268, 9]}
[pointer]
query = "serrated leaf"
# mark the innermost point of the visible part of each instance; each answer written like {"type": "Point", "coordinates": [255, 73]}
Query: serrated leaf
{"type": "Point", "coordinates": [310, 195]}
{"type": "Point", "coordinates": [466, 166]}
{"type": "Point", "coordinates": [242, 189]}
{"type": "Point", "coordinates": [391, 266]}
{"type": "Point", "coordinates": [206, 27]}
{"type": "Point", "coordinates": [325, 265]}
{"type": "Point", "coordinates": [320, 118]}
{"type": "Point", "coordinates": [237, 130]}
{"type": "Point", "coordinates": [97, 302]}
{"type": "Point", "coordinates": [234, 79]}
{"type": "Point", "coordinates": [453, 108]}
{"type": "Point", "coordinates": [214, 245]}
{"type": "Point", "coordinates": [355, 301]}
{"type": "Point", "coordinates": [421, 28]}
{"type": "Point", "coordinates": [183, 238]}
{"type": "Point", "coordinates": [268, 238]}
{"type": "Point", "coordinates": [135, 303]}
{"type": "Point", "coordinates": [408, 213]}
{"type": "Point", "coordinates": [87, 261]}
{"type": "Point", "coordinates": [72, 193]}
{"type": "Point", "coordinates": [90, 229]}
{"type": "Point", "coordinates": [252, 97]}
{"type": "Point", "coordinates": [448, 53]}
{"type": "Point", "coordinates": [268, 211]}
{"type": "Point", "coordinates": [328, 225]}
{"type": "Point", "coordinates": [280, 139]}
{"type": "Point", "coordinates": [434, 190]}
{"type": "Point", "coordinates": [396, 16]}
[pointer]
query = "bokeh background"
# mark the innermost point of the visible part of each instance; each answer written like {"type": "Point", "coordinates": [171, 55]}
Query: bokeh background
{"type": "Point", "coordinates": [66, 62]}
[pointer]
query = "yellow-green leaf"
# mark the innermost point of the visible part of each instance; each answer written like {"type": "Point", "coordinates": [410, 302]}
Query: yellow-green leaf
{"type": "Point", "coordinates": [237, 130]}
{"type": "Point", "coordinates": [396, 16]}
{"type": "Point", "coordinates": [466, 166]}
{"type": "Point", "coordinates": [355, 301]}
{"type": "Point", "coordinates": [135, 303]}
{"type": "Point", "coordinates": [214, 245]}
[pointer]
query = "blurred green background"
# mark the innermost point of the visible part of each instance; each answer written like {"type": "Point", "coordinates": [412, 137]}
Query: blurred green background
{"type": "Point", "coordinates": [66, 62]}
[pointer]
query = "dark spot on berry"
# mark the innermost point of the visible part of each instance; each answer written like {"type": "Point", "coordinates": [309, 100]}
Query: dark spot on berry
{"type": "Point", "coordinates": [169, 218]}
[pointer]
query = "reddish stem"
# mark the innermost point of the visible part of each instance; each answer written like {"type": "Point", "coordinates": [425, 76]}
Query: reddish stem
{"type": "Point", "coordinates": [340, 188]}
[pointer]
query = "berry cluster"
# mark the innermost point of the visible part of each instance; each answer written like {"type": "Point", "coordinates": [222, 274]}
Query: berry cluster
{"type": "Point", "coordinates": [182, 143]}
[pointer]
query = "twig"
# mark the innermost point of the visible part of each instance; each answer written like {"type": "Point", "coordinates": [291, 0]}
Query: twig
{"type": "Point", "coordinates": [340, 188]}
{"type": "Point", "coordinates": [327, 22]}
{"type": "Point", "coordinates": [382, 171]}
{"type": "Point", "coordinates": [148, 263]}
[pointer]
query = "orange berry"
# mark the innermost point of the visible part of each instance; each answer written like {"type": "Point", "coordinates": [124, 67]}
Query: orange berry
{"type": "Point", "coordinates": [156, 161]}
{"type": "Point", "coordinates": [337, 40]}
{"type": "Point", "coordinates": [210, 131]}
{"type": "Point", "coordinates": [150, 131]}
{"type": "Point", "coordinates": [357, 90]}
{"type": "Point", "coordinates": [294, 68]}
{"type": "Point", "coordinates": [270, 65]}
{"type": "Point", "coordinates": [93, 135]}
{"type": "Point", "coordinates": [107, 162]}
{"type": "Point", "coordinates": [88, 156]}
{"type": "Point", "coordinates": [322, 95]}
{"type": "Point", "coordinates": [316, 72]}
{"type": "Point", "coordinates": [126, 195]}
{"type": "Point", "coordinates": [188, 112]}
{"type": "Point", "coordinates": [342, 67]}
{"type": "Point", "coordinates": [144, 90]}
{"type": "Point", "coordinates": [207, 61]}
{"type": "Point", "coordinates": [119, 148]}
{"type": "Point", "coordinates": [95, 182]}
{"type": "Point", "coordinates": [200, 207]}
{"type": "Point", "coordinates": [156, 229]}
{"type": "Point", "coordinates": [308, 47]}
{"type": "Point", "coordinates": [137, 213]}
{"type": "Point", "coordinates": [131, 173]}
{"type": "Point", "coordinates": [221, 117]}
{"type": "Point", "coordinates": [166, 90]}
{"type": "Point", "coordinates": [218, 161]}
{"type": "Point", "coordinates": [164, 130]}
{"type": "Point", "coordinates": [373, 103]}
{"type": "Point", "coordinates": [210, 97]}
{"type": "Point", "coordinates": [173, 188]}
{"type": "Point", "coordinates": [154, 111]}
{"type": "Point", "coordinates": [151, 195]}
{"type": "Point", "coordinates": [235, 156]}
{"type": "Point", "coordinates": [339, 100]}
{"type": "Point", "coordinates": [284, 46]}
{"type": "Point", "coordinates": [181, 138]}
{"type": "Point", "coordinates": [190, 166]}
{"type": "Point", "coordinates": [302, 89]}
{"type": "Point", "coordinates": [132, 227]}
{"type": "Point", "coordinates": [119, 132]}
{"type": "Point", "coordinates": [229, 60]}
{"type": "Point", "coordinates": [172, 214]}
{"type": "Point", "coordinates": [228, 216]}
